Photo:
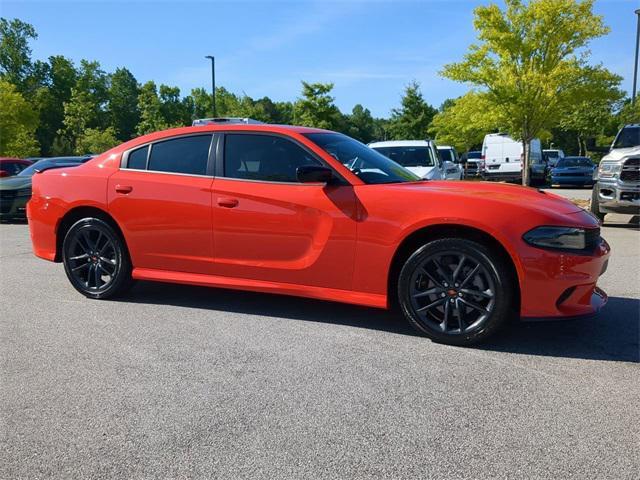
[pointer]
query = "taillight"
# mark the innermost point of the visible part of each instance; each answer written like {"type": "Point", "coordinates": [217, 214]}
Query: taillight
{"type": "Point", "coordinates": [482, 162]}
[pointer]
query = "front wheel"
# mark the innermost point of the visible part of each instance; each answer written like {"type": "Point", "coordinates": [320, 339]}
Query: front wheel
{"type": "Point", "coordinates": [456, 291]}
{"type": "Point", "coordinates": [95, 259]}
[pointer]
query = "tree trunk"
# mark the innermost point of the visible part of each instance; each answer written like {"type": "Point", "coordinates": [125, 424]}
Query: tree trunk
{"type": "Point", "coordinates": [580, 151]}
{"type": "Point", "coordinates": [525, 163]}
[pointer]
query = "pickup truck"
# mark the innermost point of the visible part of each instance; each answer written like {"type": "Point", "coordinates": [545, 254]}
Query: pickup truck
{"type": "Point", "coordinates": [617, 179]}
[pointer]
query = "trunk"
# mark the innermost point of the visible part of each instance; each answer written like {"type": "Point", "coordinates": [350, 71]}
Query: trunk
{"type": "Point", "coordinates": [525, 163]}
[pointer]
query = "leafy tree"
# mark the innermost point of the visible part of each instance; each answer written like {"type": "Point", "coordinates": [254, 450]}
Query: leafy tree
{"type": "Point", "coordinates": [412, 119]}
{"type": "Point", "coordinates": [79, 112]}
{"type": "Point", "coordinates": [151, 118]}
{"type": "Point", "coordinates": [17, 123]}
{"type": "Point", "coordinates": [530, 62]}
{"type": "Point", "coordinates": [96, 141]}
{"type": "Point", "coordinates": [123, 104]}
{"type": "Point", "coordinates": [592, 107]}
{"type": "Point", "coordinates": [316, 107]}
{"type": "Point", "coordinates": [15, 53]}
{"type": "Point", "coordinates": [201, 103]}
{"type": "Point", "coordinates": [463, 122]}
{"type": "Point", "coordinates": [172, 108]}
{"type": "Point", "coordinates": [93, 84]}
{"type": "Point", "coordinates": [361, 125]}
{"type": "Point", "coordinates": [50, 98]}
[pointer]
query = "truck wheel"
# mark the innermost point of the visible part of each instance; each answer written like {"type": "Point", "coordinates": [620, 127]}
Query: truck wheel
{"type": "Point", "coordinates": [594, 206]}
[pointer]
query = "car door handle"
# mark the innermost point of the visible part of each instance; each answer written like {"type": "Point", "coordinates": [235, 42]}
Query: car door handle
{"type": "Point", "coordinates": [227, 202]}
{"type": "Point", "coordinates": [124, 188]}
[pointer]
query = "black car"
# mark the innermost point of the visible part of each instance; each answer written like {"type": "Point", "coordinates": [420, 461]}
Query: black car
{"type": "Point", "coordinates": [15, 191]}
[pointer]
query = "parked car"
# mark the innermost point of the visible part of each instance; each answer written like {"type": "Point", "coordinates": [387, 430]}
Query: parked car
{"type": "Point", "coordinates": [474, 164]}
{"type": "Point", "coordinates": [313, 213]}
{"type": "Point", "coordinates": [553, 156]}
{"type": "Point", "coordinates": [576, 171]}
{"type": "Point", "coordinates": [418, 156]}
{"type": "Point", "coordinates": [12, 166]}
{"type": "Point", "coordinates": [617, 187]}
{"type": "Point", "coordinates": [503, 156]}
{"type": "Point", "coordinates": [15, 191]}
{"type": "Point", "coordinates": [538, 171]}
{"type": "Point", "coordinates": [449, 154]}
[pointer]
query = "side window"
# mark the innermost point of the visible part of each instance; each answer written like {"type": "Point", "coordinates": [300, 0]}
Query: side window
{"type": "Point", "coordinates": [138, 158]}
{"type": "Point", "coordinates": [181, 155]}
{"type": "Point", "coordinates": [263, 157]}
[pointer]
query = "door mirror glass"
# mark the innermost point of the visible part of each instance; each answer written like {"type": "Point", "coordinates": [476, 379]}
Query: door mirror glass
{"type": "Point", "coordinates": [314, 174]}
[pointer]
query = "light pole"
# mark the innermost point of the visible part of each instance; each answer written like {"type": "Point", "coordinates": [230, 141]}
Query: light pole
{"type": "Point", "coordinates": [213, 83]}
{"type": "Point", "coordinates": [635, 63]}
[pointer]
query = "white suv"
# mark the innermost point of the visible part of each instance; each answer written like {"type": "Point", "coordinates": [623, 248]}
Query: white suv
{"type": "Point", "coordinates": [419, 156]}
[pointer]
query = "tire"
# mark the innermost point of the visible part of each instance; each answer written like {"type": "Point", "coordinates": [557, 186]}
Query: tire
{"type": "Point", "coordinates": [471, 310]}
{"type": "Point", "coordinates": [96, 259]}
{"type": "Point", "coordinates": [594, 206]}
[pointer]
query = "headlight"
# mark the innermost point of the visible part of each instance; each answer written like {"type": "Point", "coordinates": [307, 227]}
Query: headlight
{"type": "Point", "coordinates": [557, 237]}
{"type": "Point", "coordinates": [24, 192]}
{"type": "Point", "coordinates": [608, 170]}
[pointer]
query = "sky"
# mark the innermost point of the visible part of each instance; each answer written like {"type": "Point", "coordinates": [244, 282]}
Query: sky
{"type": "Point", "coordinates": [370, 50]}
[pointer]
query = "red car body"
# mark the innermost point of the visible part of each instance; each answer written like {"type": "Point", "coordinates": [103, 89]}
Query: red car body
{"type": "Point", "coordinates": [335, 243]}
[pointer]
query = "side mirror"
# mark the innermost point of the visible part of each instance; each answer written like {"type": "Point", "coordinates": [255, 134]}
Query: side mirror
{"type": "Point", "coordinates": [314, 174]}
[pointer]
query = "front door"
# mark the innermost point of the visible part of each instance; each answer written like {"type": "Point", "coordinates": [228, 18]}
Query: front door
{"type": "Point", "coordinates": [267, 226]}
{"type": "Point", "coordinates": [162, 201]}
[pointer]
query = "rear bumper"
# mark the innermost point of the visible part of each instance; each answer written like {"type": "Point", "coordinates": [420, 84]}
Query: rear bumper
{"type": "Point", "coordinates": [487, 175]}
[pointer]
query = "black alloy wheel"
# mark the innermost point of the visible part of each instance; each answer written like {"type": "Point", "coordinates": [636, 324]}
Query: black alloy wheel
{"type": "Point", "coordinates": [95, 259]}
{"type": "Point", "coordinates": [455, 291]}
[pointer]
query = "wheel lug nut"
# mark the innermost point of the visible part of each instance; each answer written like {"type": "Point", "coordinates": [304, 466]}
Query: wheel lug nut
{"type": "Point", "coordinates": [443, 294]}
{"type": "Point", "coordinates": [445, 284]}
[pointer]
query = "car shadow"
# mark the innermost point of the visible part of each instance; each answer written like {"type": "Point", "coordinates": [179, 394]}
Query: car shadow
{"type": "Point", "coordinates": [612, 335]}
{"type": "Point", "coordinates": [632, 224]}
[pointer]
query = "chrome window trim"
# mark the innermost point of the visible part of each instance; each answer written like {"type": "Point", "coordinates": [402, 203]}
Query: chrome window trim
{"type": "Point", "coordinates": [299, 184]}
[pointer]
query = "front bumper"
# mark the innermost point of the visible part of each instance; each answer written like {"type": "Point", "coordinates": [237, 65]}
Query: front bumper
{"type": "Point", "coordinates": [563, 284]}
{"type": "Point", "coordinates": [615, 196]}
{"type": "Point", "coordinates": [572, 180]}
{"type": "Point", "coordinates": [13, 207]}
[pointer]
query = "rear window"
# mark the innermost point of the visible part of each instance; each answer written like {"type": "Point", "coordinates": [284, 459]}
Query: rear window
{"type": "Point", "coordinates": [181, 155]}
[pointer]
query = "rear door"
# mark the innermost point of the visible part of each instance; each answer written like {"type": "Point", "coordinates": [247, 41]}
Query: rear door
{"type": "Point", "coordinates": [161, 198]}
{"type": "Point", "coordinates": [268, 226]}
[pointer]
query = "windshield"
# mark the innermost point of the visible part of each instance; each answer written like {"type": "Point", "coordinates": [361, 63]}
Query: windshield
{"type": "Point", "coordinates": [66, 161]}
{"type": "Point", "coordinates": [446, 154]}
{"type": "Point", "coordinates": [408, 156]}
{"type": "Point", "coordinates": [474, 155]}
{"type": "Point", "coordinates": [628, 137]}
{"type": "Point", "coordinates": [574, 162]}
{"type": "Point", "coordinates": [31, 169]}
{"type": "Point", "coordinates": [552, 153]}
{"type": "Point", "coordinates": [366, 163]}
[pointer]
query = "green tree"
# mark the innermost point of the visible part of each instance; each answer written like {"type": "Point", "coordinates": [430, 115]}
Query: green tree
{"type": "Point", "coordinates": [316, 107]}
{"type": "Point", "coordinates": [17, 123]}
{"type": "Point", "coordinates": [463, 122]}
{"type": "Point", "coordinates": [201, 103]}
{"type": "Point", "coordinates": [123, 104]}
{"type": "Point", "coordinates": [50, 98]}
{"type": "Point", "coordinates": [96, 141]}
{"type": "Point", "coordinates": [361, 125]}
{"type": "Point", "coordinates": [412, 119]}
{"type": "Point", "coordinates": [15, 52]}
{"type": "Point", "coordinates": [172, 108]}
{"type": "Point", "coordinates": [151, 118]}
{"type": "Point", "coordinates": [530, 62]}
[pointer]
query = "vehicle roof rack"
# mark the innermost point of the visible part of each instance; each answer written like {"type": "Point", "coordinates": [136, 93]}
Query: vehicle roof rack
{"type": "Point", "coordinates": [225, 121]}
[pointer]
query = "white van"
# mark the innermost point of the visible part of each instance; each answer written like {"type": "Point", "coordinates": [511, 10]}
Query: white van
{"type": "Point", "coordinates": [503, 156]}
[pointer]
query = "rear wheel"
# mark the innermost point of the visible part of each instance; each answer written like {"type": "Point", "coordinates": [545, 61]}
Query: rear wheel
{"type": "Point", "coordinates": [455, 291]}
{"type": "Point", "coordinates": [95, 259]}
{"type": "Point", "coordinates": [594, 206]}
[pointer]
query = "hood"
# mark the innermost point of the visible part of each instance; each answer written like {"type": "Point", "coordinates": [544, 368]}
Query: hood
{"type": "Point", "coordinates": [620, 153]}
{"type": "Point", "coordinates": [15, 183]}
{"type": "Point", "coordinates": [430, 173]}
{"type": "Point", "coordinates": [499, 193]}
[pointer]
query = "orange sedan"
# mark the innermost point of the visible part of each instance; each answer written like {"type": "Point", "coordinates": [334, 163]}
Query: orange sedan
{"type": "Point", "coordinates": [314, 213]}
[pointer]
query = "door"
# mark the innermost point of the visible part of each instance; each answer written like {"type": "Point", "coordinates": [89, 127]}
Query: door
{"type": "Point", "coordinates": [161, 199]}
{"type": "Point", "coordinates": [267, 226]}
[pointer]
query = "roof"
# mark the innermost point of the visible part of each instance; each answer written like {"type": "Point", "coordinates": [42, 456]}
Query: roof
{"type": "Point", "coordinates": [401, 143]}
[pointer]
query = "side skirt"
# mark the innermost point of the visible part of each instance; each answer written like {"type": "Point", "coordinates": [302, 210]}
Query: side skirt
{"type": "Point", "coordinates": [308, 291]}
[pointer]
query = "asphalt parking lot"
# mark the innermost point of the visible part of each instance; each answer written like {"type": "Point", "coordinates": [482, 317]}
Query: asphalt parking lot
{"type": "Point", "coordinates": [187, 382]}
